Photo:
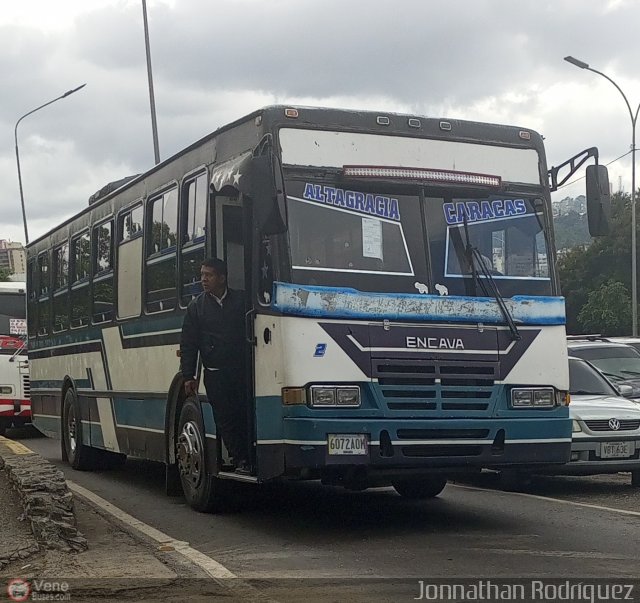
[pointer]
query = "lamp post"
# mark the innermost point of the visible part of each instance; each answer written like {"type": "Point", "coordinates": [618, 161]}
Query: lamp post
{"type": "Point", "coordinates": [634, 119]}
{"type": "Point", "coordinates": [15, 134]}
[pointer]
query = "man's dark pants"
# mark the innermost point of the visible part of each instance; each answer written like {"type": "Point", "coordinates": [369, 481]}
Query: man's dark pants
{"type": "Point", "coordinates": [226, 392]}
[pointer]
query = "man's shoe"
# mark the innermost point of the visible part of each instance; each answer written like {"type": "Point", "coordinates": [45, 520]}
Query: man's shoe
{"type": "Point", "coordinates": [243, 468]}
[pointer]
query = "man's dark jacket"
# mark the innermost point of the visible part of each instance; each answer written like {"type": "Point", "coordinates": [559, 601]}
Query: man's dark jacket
{"type": "Point", "coordinates": [216, 332]}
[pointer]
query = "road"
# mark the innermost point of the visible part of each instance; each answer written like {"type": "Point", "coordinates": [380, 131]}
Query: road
{"type": "Point", "coordinates": [308, 531]}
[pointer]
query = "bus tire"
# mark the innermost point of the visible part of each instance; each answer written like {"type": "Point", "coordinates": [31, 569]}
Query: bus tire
{"type": "Point", "coordinates": [635, 478]}
{"type": "Point", "coordinates": [420, 488]}
{"type": "Point", "coordinates": [4, 425]}
{"type": "Point", "coordinates": [79, 455]}
{"type": "Point", "coordinates": [203, 491]}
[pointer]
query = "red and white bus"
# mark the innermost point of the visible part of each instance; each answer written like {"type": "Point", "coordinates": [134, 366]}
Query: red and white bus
{"type": "Point", "coordinates": [15, 405]}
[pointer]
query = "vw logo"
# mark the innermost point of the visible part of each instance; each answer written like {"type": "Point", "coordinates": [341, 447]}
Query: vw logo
{"type": "Point", "coordinates": [614, 424]}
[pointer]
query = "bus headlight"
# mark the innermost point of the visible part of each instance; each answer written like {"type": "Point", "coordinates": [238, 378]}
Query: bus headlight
{"type": "Point", "coordinates": [531, 397]}
{"type": "Point", "coordinates": [348, 396]}
{"type": "Point", "coordinates": [5, 389]}
{"type": "Point", "coordinates": [331, 396]}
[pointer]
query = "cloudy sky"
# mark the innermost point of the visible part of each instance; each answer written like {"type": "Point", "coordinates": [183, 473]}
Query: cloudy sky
{"type": "Point", "coordinates": [216, 60]}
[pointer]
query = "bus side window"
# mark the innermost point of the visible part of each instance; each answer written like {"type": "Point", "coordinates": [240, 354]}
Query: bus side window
{"type": "Point", "coordinates": [102, 252]}
{"type": "Point", "coordinates": [61, 288]}
{"type": "Point", "coordinates": [193, 205]}
{"type": "Point", "coordinates": [162, 221]}
{"type": "Point", "coordinates": [80, 290]}
{"type": "Point", "coordinates": [43, 294]}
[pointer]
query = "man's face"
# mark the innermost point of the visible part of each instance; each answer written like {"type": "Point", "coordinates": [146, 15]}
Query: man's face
{"type": "Point", "coordinates": [212, 281]}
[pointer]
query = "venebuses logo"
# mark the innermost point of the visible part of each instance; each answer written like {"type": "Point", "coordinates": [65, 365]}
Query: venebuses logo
{"type": "Point", "coordinates": [18, 589]}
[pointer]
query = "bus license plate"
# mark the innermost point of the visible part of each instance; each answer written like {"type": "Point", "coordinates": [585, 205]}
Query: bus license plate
{"type": "Point", "coordinates": [616, 450]}
{"type": "Point", "coordinates": [352, 444]}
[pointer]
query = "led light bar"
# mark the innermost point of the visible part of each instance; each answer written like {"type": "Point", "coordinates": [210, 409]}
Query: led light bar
{"type": "Point", "coordinates": [370, 171]}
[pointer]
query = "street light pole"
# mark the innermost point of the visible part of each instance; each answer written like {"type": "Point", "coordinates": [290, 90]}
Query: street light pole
{"type": "Point", "coordinates": [152, 100]}
{"type": "Point", "coordinates": [634, 120]}
{"type": "Point", "coordinates": [15, 135]}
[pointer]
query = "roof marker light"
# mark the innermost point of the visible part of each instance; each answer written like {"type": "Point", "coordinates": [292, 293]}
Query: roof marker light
{"type": "Point", "coordinates": [382, 120]}
{"type": "Point", "coordinates": [445, 125]}
{"type": "Point", "coordinates": [423, 174]}
{"type": "Point", "coordinates": [414, 123]}
{"type": "Point", "coordinates": [291, 113]}
{"type": "Point", "coordinates": [524, 135]}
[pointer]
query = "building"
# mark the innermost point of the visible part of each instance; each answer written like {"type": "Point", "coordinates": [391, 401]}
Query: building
{"type": "Point", "coordinates": [13, 257]}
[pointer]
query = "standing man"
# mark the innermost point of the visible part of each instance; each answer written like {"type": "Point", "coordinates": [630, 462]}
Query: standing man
{"type": "Point", "coordinates": [214, 327]}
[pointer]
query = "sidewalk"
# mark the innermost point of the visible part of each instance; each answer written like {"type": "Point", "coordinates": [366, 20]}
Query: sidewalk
{"type": "Point", "coordinates": [117, 563]}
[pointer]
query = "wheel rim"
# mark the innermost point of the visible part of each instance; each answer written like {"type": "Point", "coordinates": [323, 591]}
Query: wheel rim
{"type": "Point", "coordinates": [71, 430]}
{"type": "Point", "coordinates": [190, 454]}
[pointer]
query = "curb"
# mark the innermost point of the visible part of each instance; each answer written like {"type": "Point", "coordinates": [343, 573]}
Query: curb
{"type": "Point", "coordinates": [46, 499]}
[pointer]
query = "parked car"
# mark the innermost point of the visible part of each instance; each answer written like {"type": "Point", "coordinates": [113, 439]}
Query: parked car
{"type": "Point", "coordinates": [606, 427]}
{"type": "Point", "coordinates": [619, 362]}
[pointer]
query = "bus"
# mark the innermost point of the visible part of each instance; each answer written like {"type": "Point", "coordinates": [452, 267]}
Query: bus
{"type": "Point", "coordinates": [15, 405]}
{"type": "Point", "coordinates": [403, 312]}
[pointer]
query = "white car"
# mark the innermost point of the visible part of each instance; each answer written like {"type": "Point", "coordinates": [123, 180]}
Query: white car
{"type": "Point", "coordinates": [606, 427]}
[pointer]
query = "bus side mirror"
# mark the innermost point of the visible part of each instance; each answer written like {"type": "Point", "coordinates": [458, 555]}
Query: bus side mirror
{"type": "Point", "coordinates": [267, 195]}
{"type": "Point", "coordinates": [598, 200]}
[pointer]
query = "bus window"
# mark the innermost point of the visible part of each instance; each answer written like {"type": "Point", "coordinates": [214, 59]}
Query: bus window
{"type": "Point", "coordinates": [80, 291]}
{"type": "Point", "coordinates": [131, 224]}
{"type": "Point", "coordinates": [129, 265]}
{"type": "Point", "coordinates": [161, 252]}
{"type": "Point", "coordinates": [193, 228]}
{"type": "Point", "coordinates": [60, 290]}
{"type": "Point", "coordinates": [103, 272]}
{"type": "Point", "coordinates": [43, 294]}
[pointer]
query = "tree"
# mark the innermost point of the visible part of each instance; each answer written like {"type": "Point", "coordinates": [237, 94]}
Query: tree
{"type": "Point", "coordinates": [608, 310]}
{"type": "Point", "coordinates": [5, 273]}
{"type": "Point", "coordinates": [608, 258]}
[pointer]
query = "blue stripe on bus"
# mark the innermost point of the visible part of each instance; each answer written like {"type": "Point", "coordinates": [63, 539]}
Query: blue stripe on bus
{"type": "Point", "coordinates": [275, 421]}
{"type": "Point", "coordinates": [147, 413]}
{"type": "Point", "coordinates": [334, 302]}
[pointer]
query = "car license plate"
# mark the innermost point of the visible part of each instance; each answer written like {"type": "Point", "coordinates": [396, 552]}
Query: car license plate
{"type": "Point", "coordinates": [616, 450]}
{"type": "Point", "coordinates": [351, 444]}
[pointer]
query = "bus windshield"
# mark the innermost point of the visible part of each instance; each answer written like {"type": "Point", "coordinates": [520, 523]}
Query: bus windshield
{"type": "Point", "coordinates": [388, 239]}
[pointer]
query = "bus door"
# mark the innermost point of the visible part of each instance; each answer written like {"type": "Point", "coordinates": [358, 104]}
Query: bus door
{"type": "Point", "coordinates": [231, 246]}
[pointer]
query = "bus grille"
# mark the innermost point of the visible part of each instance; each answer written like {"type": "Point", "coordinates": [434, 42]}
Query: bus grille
{"type": "Point", "coordinates": [436, 385]}
{"type": "Point", "coordinates": [26, 386]}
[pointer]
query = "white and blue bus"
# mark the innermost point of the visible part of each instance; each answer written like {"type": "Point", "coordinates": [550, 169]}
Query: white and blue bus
{"type": "Point", "coordinates": [403, 322]}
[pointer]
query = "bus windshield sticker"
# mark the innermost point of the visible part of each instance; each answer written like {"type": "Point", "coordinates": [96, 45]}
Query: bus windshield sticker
{"type": "Point", "coordinates": [372, 238]}
{"type": "Point", "coordinates": [365, 203]}
{"type": "Point", "coordinates": [478, 211]}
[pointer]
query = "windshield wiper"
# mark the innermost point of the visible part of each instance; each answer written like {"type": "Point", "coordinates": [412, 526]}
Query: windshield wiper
{"type": "Point", "coordinates": [474, 256]}
{"type": "Point", "coordinates": [584, 392]}
{"type": "Point", "coordinates": [628, 372]}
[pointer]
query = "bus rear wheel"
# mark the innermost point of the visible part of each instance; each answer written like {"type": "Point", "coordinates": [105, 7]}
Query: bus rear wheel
{"type": "Point", "coordinates": [421, 487]}
{"type": "Point", "coordinates": [203, 491]}
{"type": "Point", "coordinates": [79, 455]}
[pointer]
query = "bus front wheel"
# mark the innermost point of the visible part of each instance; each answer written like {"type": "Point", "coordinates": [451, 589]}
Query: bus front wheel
{"type": "Point", "coordinates": [421, 487]}
{"type": "Point", "coordinates": [203, 491]}
{"type": "Point", "coordinates": [4, 425]}
{"type": "Point", "coordinates": [79, 455]}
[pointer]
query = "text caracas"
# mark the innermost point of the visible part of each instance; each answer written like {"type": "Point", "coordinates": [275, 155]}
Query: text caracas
{"type": "Point", "coordinates": [366, 203]}
{"type": "Point", "coordinates": [435, 343]}
{"type": "Point", "coordinates": [476, 211]}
